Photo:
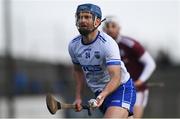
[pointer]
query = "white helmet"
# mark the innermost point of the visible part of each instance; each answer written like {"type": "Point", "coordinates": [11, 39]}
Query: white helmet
{"type": "Point", "coordinates": [110, 19]}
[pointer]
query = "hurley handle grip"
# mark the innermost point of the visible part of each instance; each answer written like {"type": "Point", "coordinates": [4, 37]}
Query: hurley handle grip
{"type": "Point", "coordinates": [73, 106]}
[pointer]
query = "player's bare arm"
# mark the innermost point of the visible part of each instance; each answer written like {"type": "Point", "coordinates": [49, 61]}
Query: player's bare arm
{"type": "Point", "coordinates": [114, 72]}
{"type": "Point", "coordinates": [78, 75]}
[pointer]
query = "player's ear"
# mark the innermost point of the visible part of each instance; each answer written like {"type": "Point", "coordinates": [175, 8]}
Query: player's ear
{"type": "Point", "coordinates": [97, 22]}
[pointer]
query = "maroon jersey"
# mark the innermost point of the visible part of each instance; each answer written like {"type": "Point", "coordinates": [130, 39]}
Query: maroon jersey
{"type": "Point", "coordinates": [131, 51]}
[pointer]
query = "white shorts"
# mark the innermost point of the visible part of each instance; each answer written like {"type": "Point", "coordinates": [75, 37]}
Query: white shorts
{"type": "Point", "coordinates": [142, 98]}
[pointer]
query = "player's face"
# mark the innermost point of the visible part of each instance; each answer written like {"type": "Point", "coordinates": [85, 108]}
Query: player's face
{"type": "Point", "coordinates": [112, 29]}
{"type": "Point", "coordinates": [85, 22]}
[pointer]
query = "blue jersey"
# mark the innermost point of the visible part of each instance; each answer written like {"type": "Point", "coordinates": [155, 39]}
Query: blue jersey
{"type": "Point", "coordinates": [94, 59]}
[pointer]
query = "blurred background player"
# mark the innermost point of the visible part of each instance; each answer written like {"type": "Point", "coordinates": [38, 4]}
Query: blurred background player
{"type": "Point", "coordinates": [138, 62]}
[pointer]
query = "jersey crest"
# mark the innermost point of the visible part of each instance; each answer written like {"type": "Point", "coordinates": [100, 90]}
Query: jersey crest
{"type": "Point", "coordinates": [97, 54]}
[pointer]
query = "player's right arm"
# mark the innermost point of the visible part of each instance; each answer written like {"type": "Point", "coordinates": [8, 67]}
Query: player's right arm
{"type": "Point", "coordinates": [78, 76]}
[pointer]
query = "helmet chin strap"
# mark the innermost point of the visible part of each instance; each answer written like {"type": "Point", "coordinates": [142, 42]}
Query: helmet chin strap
{"type": "Point", "coordinates": [98, 25]}
{"type": "Point", "coordinates": [87, 32]}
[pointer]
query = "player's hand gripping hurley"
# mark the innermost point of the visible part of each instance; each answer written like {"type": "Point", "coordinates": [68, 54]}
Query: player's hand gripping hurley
{"type": "Point", "coordinates": [53, 105]}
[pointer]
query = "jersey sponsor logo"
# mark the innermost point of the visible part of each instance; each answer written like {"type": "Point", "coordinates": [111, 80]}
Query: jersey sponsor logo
{"type": "Point", "coordinates": [97, 54]}
{"type": "Point", "coordinates": [91, 68]}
